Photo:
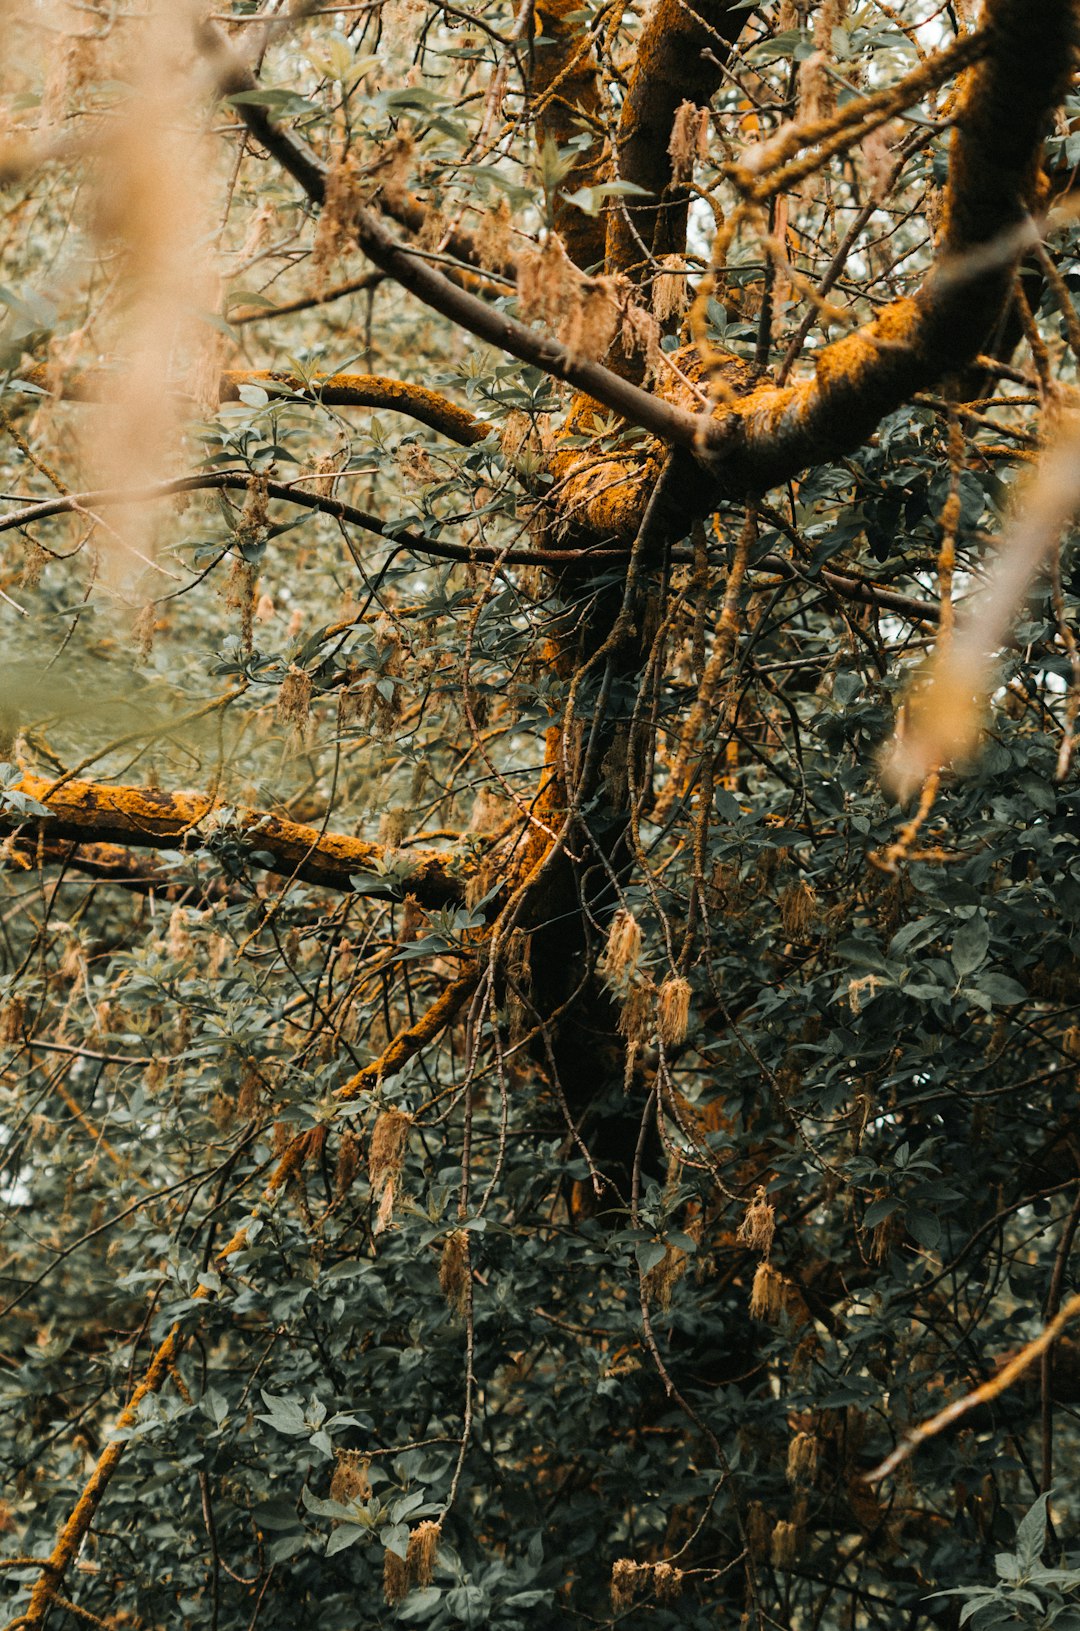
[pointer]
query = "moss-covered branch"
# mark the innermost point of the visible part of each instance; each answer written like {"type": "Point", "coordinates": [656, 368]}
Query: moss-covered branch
{"type": "Point", "coordinates": [417, 402]}
{"type": "Point", "coordinates": [994, 170]}
{"type": "Point", "coordinates": [680, 59]}
{"type": "Point", "coordinates": [566, 103]}
{"type": "Point", "coordinates": [147, 818]}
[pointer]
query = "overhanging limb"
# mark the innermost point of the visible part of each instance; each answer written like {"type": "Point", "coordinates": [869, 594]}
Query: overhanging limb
{"type": "Point", "coordinates": [148, 818]}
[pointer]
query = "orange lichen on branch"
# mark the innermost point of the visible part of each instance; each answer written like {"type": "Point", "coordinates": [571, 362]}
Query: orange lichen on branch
{"type": "Point", "coordinates": [724, 640]}
{"type": "Point", "coordinates": [1003, 109]}
{"type": "Point", "coordinates": [764, 170]}
{"type": "Point", "coordinates": [775, 429]}
{"type": "Point", "coordinates": [364, 391]}
{"type": "Point", "coordinates": [409, 1042]}
{"type": "Point", "coordinates": [1005, 1377]}
{"type": "Point", "coordinates": [71, 1535]}
{"type": "Point", "coordinates": [161, 1367]}
{"type": "Point", "coordinates": [678, 60]}
{"type": "Point", "coordinates": [334, 390]}
{"type": "Point", "coordinates": [597, 493]}
{"type": "Point", "coordinates": [148, 818]}
{"type": "Point", "coordinates": [1001, 117]}
{"type": "Point", "coordinates": [566, 101]}
{"type": "Point", "coordinates": [599, 496]}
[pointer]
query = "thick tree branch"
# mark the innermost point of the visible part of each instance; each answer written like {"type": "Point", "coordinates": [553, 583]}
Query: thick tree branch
{"type": "Point", "coordinates": [994, 168]}
{"type": "Point", "coordinates": [147, 818]}
{"type": "Point", "coordinates": [566, 101]}
{"type": "Point", "coordinates": [334, 390]}
{"type": "Point", "coordinates": [435, 288]}
{"type": "Point", "coordinates": [365, 391]}
{"type": "Point", "coordinates": [671, 67]}
{"type": "Point", "coordinates": [669, 423]}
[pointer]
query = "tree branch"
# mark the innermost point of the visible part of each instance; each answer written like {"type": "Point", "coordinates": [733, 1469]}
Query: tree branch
{"type": "Point", "coordinates": [234, 77]}
{"type": "Point", "coordinates": [240, 481]}
{"type": "Point", "coordinates": [147, 818]}
{"type": "Point", "coordinates": [365, 391]}
{"type": "Point", "coordinates": [112, 864]}
{"type": "Point", "coordinates": [772, 433]}
{"type": "Point", "coordinates": [255, 314]}
{"type": "Point", "coordinates": [566, 100]}
{"type": "Point", "coordinates": [334, 390]}
{"type": "Point", "coordinates": [671, 67]}
{"type": "Point", "coordinates": [848, 585]}
{"type": "Point", "coordinates": [402, 1048]}
{"type": "Point", "coordinates": [435, 288]}
{"type": "Point", "coordinates": [409, 1042]}
{"type": "Point", "coordinates": [667, 422]}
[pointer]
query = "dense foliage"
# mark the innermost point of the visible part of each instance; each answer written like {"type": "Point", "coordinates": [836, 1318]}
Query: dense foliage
{"type": "Point", "coordinates": [519, 1114]}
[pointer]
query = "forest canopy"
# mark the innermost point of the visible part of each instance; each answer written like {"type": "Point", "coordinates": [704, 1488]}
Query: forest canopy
{"type": "Point", "coordinates": [539, 814]}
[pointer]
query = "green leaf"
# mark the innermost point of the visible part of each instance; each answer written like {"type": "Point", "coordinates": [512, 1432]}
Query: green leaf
{"type": "Point", "coordinates": [324, 1509]}
{"type": "Point", "coordinates": [346, 1535]}
{"type": "Point", "coordinates": [878, 1211]}
{"type": "Point", "coordinates": [863, 954]}
{"type": "Point", "coordinates": [923, 1226]}
{"type": "Point", "coordinates": [1031, 1533]}
{"type": "Point", "coordinates": [286, 1415]}
{"type": "Point", "coordinates": [590, 199]}
{"type": "Point", "coordinates": [281, 103]}
{"type": "Point", "coordinates": [420, 1604]}
{"type": "Point", "coordinates": [1001, 989]}
{"type": "Point", "coordinates": [969, 946]}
